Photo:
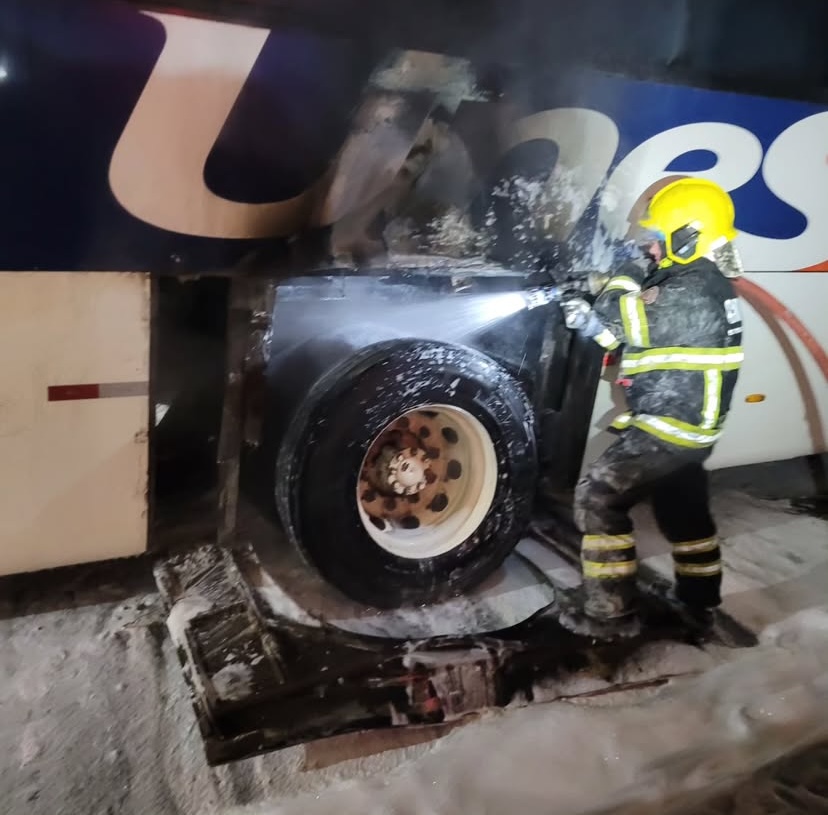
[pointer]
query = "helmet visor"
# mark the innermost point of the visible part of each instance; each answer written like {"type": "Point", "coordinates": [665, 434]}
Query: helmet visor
{"type": "Point", "coordinates": [651, 242]}
{"type": "Point", "coordinates": [642, 236]}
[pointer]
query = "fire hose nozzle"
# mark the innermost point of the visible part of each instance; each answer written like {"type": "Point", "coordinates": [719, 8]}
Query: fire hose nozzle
{"type": "Point", "coordinates": [541, 296]}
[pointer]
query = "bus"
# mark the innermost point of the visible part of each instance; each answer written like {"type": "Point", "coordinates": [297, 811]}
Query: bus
{"type": "Point", "coordinates": [300, 216]}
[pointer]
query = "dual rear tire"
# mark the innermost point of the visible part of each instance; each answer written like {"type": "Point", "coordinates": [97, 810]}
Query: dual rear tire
{"type": "Point", "coordinates": [407, 471]}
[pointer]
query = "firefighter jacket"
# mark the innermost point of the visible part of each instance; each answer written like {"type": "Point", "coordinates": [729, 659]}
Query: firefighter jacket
{"type": "Point", "coordinates": [681, 329]}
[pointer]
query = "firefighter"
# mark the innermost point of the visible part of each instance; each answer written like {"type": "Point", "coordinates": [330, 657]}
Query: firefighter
{"type": "Point", "coordinates": [676, 319]}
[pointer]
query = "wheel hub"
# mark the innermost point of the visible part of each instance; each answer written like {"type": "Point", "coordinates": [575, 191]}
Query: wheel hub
{"type": "Point", "coordinates": [407, 472]}
{"type": "Point", "coordinates": [427, 481]}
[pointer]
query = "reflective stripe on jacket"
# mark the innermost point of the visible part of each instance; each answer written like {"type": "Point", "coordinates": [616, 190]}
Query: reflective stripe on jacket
{"type": "Point", "coordinates": [681, 330]}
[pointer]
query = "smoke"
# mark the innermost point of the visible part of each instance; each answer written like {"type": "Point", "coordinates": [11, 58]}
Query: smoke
{"type": "Point", "coordinates": [448, 319]}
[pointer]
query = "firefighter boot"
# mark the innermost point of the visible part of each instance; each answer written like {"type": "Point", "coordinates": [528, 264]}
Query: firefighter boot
{"type": "Point", "coordinates": [609, 588]}
{"type": "Point", "coordinates": [610, 567]}
{"type": "Point", "coordinates": [708, 623]}
{"type": "Point", "coordinates": [580, 615]}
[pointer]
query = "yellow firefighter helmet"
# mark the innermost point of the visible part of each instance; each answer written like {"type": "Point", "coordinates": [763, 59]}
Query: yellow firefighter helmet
{"type": "Point", "coordinates": [690, 217]}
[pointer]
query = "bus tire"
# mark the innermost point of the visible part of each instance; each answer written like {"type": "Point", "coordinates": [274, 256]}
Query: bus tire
{"type": "Point", "coordinates": [409, 472]}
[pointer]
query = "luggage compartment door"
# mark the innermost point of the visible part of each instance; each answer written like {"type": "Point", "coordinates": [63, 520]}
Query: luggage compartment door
{"type": "Point", "coordinates": [74, 417]}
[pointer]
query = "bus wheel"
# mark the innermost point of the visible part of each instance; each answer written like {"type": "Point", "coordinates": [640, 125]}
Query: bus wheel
{"type": "Point", "coordinates": [408, 474]}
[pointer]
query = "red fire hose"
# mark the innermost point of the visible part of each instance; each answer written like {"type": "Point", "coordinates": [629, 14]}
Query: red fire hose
{"type": "Point", "coordinates": [756, 295]}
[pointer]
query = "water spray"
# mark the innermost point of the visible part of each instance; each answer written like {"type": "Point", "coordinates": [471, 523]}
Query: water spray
{"type": "Point", "coordinates": [449, 319]}
{"type": "Point", "coordinates": [500, 306]}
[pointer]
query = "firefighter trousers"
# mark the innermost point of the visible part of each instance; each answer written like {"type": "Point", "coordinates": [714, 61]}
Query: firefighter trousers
{"type": "Point", "coordinates": [634, 467]}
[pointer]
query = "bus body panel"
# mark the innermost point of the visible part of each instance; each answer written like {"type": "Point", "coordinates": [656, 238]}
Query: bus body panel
{"type": "Point", "coordinates": [73, 457]}
{"type": "Point", "coordinates": [161, 142]}
{"type": "Point", "coordinates": [157, 141]}
{"type": "Point", "coordinates": [792, 418]}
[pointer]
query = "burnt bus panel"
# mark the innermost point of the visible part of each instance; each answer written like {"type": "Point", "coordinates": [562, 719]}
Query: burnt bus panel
{"type": "Point", "coordinates": [270, 103]}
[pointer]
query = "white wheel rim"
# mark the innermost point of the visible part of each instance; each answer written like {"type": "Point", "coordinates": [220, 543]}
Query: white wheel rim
{"type": "Point", "coordinates": [414, 515]}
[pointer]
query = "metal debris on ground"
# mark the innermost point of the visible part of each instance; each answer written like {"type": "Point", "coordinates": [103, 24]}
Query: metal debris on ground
{"type": "Point", "coordinates": [261, 681]}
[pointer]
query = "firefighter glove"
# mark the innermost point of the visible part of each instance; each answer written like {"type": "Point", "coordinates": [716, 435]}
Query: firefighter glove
{"type": "Point", "coordinates": [596, 282]}
{"type": "Point", "coordinates": [579, 316]}
{"type": "Point", "coordinates": [576, 312]}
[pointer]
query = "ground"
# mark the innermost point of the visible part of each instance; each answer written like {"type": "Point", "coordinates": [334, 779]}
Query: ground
{"type": "Point", "coordinates": [95, 717]}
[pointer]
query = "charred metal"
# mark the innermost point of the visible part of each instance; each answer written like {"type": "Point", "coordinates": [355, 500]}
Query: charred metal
{"type": "Point", "coordinates": [261, 681]}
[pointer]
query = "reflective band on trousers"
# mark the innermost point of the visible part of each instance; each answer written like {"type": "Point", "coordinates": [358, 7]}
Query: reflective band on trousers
{"type": "Point", "coordinates": [695, 547]}
{"type": "Point", "coordinates": [634, 319]}
{"type": "Point", "coordinates": [698, 569]}
{"type": "Point", "coordinates": [622, 283]}
{"type": "Point", "coordinates": [623, 568]}
{"type": "Point", "coordinates": [669, 429]}
{"type": "Point", "coordinates": [677, 358]}
{"type": "Point", "coordinates": [608, 543]}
